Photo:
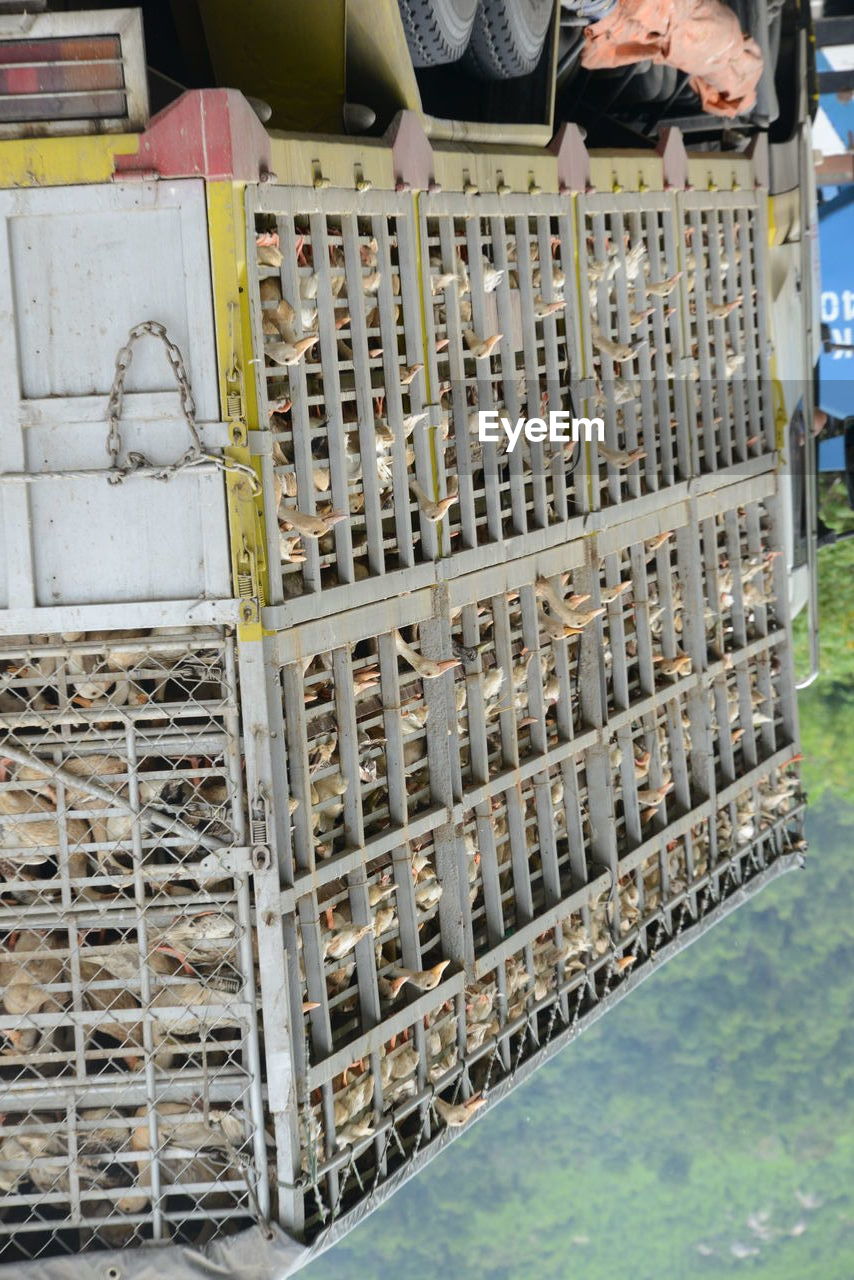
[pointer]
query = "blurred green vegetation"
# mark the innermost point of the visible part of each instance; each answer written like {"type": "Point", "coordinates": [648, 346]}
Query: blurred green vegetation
{"type": "Point", "coordinates": [833, 503]}
{"type": "Point", "coordinates": [827, 731]}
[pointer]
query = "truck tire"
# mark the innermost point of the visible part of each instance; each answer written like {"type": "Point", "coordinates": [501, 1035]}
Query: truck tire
{"type": "Point", "coordinates": [508, 38]}
{"type": "Point", "coordinates": [437, 31]}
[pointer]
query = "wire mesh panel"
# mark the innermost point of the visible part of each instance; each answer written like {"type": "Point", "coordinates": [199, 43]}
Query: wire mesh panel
{"type": "Point", "coordinates": [129, 1064]}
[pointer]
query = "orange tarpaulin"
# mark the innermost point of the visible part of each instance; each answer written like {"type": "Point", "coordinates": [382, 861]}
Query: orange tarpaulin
{"type": "Point", "coordinates": [701, 37]}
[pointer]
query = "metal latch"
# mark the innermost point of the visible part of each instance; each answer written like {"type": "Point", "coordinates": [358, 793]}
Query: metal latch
{"type": "Point", "coordinates": [233, 379]}
{"type": "Point", "coordinates": [233, 399]}
{"type": "Point", "coordinates": [235, 860]}
{"type": "Point", "coordinates": [258, 819]}
{"type": "Point", "coordinates": [247, 573]}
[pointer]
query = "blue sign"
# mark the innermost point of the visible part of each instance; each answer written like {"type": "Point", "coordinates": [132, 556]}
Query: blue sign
{"type": "Point", "coordinates": [836, 368]}
{"type": "Point", "coordinates": [836, 246]}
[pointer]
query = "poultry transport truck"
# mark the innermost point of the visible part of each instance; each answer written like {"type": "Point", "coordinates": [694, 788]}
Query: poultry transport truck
{"type": "Point", "coordinates": [354, 762]}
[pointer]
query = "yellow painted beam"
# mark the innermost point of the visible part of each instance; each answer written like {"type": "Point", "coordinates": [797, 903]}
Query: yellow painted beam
{"type": "Point", "coordinates": [495, 168]}
{"type": "Point", "coordinates": [62, 162]}
{"type": "Point", "coordinates": [238, 400]}
{"type": "Point", "coordinates": [720, 171]}
{"type": "Point", "coordinates": [626, 171]}
{"type": "Point", "coordinates": [778, 399]}
{"type": "Point", "coordinates": [337, 162]}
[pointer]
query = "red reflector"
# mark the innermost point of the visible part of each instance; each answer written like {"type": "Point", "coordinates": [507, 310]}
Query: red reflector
{"type": "Point", "coordinates": [79, 106]}
{"type": "Point", "coordinates": [61, 49]}
{"type": "Point", "coordinates": [61, 77]}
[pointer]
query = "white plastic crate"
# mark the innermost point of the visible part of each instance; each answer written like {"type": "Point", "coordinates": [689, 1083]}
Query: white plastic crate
{"type": "Point", "coordinates": [666, 342]}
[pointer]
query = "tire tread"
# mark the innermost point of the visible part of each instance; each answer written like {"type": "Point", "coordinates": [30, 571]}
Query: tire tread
{"type": "Point", "coordinates": [428, 40]}
{"type": "Point", "coordinates": [494, 51]}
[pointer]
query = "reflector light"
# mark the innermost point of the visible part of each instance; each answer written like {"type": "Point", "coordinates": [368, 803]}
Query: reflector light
{"type": "Point", "coordinates": [73, 73]}
{"type": "Point", "coordinates": [61, 79]}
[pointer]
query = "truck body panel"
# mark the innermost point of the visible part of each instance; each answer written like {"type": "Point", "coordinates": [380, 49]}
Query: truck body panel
{"type": "Point", "coordinates": [127, 253]}
{"type": "Point", "coordinates": [205, 802]}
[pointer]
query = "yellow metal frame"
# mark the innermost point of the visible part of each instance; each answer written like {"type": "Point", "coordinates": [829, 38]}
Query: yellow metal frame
{"type": "Point", "coordinates": [226, 203]}
{"type": "Point", "coordinates": [714, 171]}
{"type": "Point", "coordinates": [778, 400]}
{"type": "Point", "coordinates": [362, 163]}
{"type": "Point", "coordinates": [63, 162]}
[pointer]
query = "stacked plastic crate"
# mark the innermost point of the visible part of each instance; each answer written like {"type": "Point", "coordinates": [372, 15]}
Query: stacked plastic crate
{"type": "Point", "coordinates": [301, 875]}
{"type": "Point", "coordinates": [537, 704]}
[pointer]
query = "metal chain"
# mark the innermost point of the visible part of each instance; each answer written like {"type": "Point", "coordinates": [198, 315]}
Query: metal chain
{"type": "Point", "coordinates": [552, 1020]}
{"type": "Point", "coordinates": [391, 1133]}
{"type": "Point", "coordinates": [349, 1168]}
{"type": "Point", "coordinates": [248, 1171]}
{"type": "Point", "coordinates": [494, 1056]}
{"type": "Point", "coordinates": [428, 1111]}
{"type": "Point", "coordinates": [521, 1048]}
{"type": "Point", "coordinates": [680, 924]}
{"type": "Point", "coordinates": [323, 1209]}
{"type": "Point", "coordinates": [579, 1000]}
{"type": "Point", "coordinates": [117, 391]}
{"type": "Point", "coordinates": [195, 454]}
